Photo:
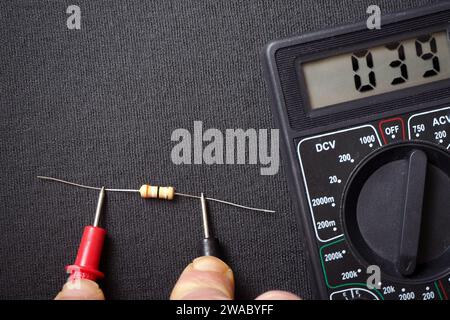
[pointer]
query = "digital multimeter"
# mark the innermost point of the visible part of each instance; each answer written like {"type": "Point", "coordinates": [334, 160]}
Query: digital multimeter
{"type": "Point", "coordinates": [365, 120]}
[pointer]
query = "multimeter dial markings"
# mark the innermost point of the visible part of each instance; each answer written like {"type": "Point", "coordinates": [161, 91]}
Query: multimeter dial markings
{"type": "Point", "coordinates": [398, 291]}
{"type": "Point", "coordinates": [354, 294]}
{"type": "Point", "coordinates": [339, 266]}
{"type": "Point", "coordinates": [326, 162]}
{"type": "Point", "coordinates": [432, 126]}
{"type": "Point", "coordinates": [392, 130]}
{"type": "Point", "coordinates": [341, 270]}
{"type": "Point", "coordinates": [429, 291]}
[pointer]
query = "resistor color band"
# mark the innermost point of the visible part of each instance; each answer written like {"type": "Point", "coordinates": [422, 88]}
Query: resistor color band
{"type": "Point", "coordinates": [157, 192]}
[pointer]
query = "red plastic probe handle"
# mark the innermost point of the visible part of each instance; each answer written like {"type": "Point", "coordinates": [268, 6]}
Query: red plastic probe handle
{"type": "Point", "coordinates": [88, 257]}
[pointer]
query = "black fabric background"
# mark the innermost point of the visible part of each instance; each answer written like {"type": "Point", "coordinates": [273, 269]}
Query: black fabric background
{"type": "Point", "coordinates": [98, 106]}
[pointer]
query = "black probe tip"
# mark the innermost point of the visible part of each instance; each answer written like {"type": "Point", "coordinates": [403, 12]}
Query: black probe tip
{"type": "Point", "coordinates": [211, 247]}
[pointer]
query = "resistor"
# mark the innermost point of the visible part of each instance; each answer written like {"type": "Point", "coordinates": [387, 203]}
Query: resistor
{"type": "Point", "coordinates": [157, 192]}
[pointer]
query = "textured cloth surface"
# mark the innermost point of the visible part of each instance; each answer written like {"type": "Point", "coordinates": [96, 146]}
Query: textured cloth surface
{"type": "Point", "coordinates": [98, 106]}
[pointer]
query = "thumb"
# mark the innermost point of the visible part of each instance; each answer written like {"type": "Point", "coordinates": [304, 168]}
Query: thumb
{"type": "Point", "coordinates": [80, 289]}
{"type": "Point", "coordinates": [278, 295]}
{"type": "Point", "coordinates": [206, 278]}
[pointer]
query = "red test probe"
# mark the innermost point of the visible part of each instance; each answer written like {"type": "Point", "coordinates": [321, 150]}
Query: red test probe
{"type": "Point", "coordinates": [90, 250]}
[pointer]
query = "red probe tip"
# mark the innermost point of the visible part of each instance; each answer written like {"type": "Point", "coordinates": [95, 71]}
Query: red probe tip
{"type": "Point", "coordinates": [90, 250]}
{"type": "Point", "coordinates": [88, 257]}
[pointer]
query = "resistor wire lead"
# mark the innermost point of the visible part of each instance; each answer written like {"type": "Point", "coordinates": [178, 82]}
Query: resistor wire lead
{"type": "Point", "coordinates": [139, 191]}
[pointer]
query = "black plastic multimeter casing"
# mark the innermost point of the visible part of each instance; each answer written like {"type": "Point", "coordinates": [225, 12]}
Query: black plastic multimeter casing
{"type": "Point", "coordinates": [298, 121]}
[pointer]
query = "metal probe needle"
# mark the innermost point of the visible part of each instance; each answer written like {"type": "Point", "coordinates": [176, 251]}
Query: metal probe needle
{"type": "Point", "coordinates": [210, 245]}
{"type": "Point", "coordinates": [98, 211]}
{"type": "Point", "coordinates": [204, 216]}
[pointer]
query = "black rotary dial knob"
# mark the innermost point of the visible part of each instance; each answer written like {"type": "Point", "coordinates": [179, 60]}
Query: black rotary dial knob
{"type": "Point", "coordinates": [396, 211]}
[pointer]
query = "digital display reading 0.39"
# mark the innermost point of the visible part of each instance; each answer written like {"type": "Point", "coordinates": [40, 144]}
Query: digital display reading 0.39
{"type": "Point", "coordinates": [378, 70]}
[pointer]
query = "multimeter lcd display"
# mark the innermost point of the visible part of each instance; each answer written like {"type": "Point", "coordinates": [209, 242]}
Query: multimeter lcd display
{"type": "Point", "coordinates": [377, 70]}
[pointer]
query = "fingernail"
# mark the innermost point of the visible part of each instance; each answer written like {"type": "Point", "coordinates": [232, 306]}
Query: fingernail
{"type": "Point", "coordinates": [212, 264]}
{"type": "Point", "coordinates": [78, 284]}
{"type": "Point", "coordinates": [229, 274]}
{"type": "Point", "coordinates": [80, 290]}
{"type": "Point", "coordinates": [278, 295]}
